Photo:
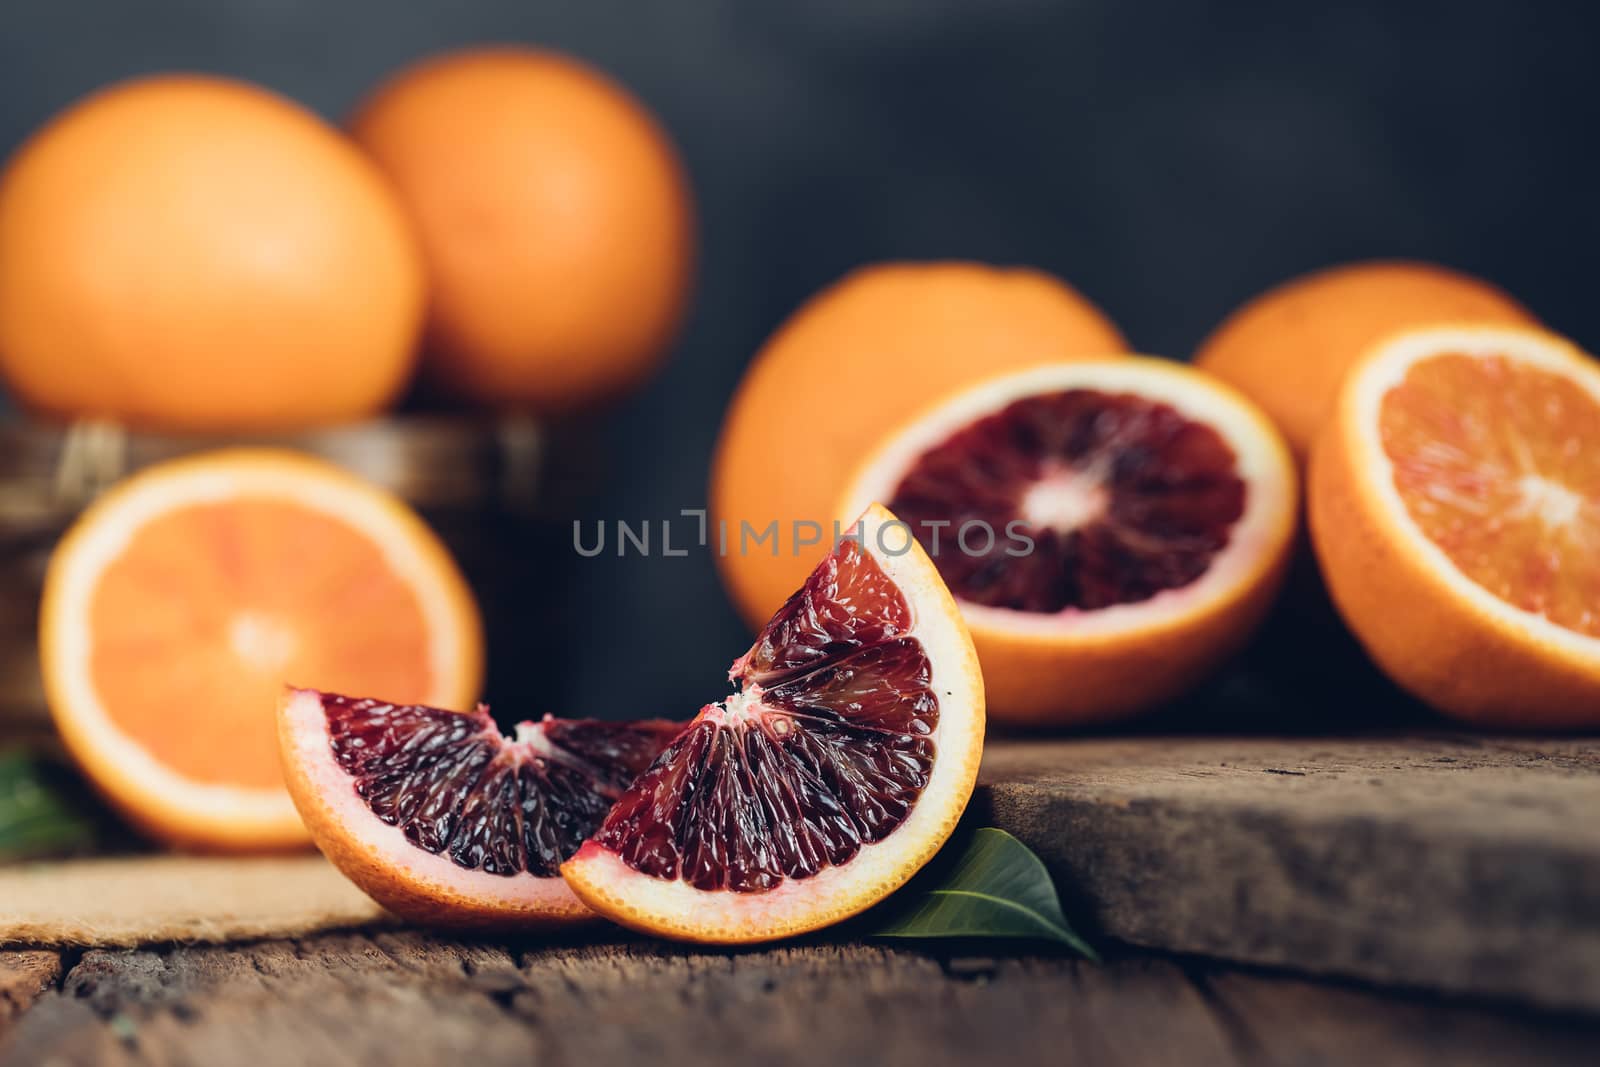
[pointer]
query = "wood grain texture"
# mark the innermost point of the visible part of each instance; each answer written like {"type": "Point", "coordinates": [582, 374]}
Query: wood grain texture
{"type": "Point", "coordinates": [143, 899]}
{"type": "Point", "coordinates": [404, 998]}
{"type": "Point", "coordinates": [1464, 864]}
{"type": "Point", "coordinates": [24, 975]}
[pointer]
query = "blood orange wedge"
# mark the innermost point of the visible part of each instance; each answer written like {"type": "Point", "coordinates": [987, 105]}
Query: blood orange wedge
{"type": "Point", "coordinates": [1455, 509]}
{"type": "Point", "coordinates": [441, 818]}
{"type": "Point", "coordinates": [835, 771]}
{"type": "Point", "coordinates": [180, 603]}
{"type": "Point", "coordinates": [1111, 529]}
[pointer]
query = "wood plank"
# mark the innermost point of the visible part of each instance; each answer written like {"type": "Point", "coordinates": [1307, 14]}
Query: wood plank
{"type": "Point", "coordinates": [1276, 1019]}
{"type": "Point", "coordinates": [24, 976]}
{"type": "Point", "coordinates": [174, 897]}
{"type": "Point", "coordinates": [1464, 864]}
{"type": "Point", "coordinates": [402, 997]}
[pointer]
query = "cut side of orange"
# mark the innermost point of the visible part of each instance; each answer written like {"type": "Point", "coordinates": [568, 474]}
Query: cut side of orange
{"type": "Point", "coordinates": [1455, 507]}
{"type": "Point", "coordinates": [836, 770]}
{"type": "Point", "coordinates": [1112, 529]}
{"type": "Point", "coordinates": [180, 604]}
{"type": "Point", "coordinates": [446, 821]}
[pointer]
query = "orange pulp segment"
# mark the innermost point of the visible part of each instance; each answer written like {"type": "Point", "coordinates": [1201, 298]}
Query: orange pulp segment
{"type": "Point", "coordinates": [1497, 461]}
{"type": "Point", "coordinates": [213, 607]}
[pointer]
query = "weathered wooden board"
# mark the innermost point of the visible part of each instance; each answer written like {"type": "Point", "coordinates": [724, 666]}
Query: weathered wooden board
{"type": "Point", "coordinates": [1465, 864]}
{"type": "Point", "coordinates": [404, 998]}
{"type": "Point", "coordinates": [24, 976]}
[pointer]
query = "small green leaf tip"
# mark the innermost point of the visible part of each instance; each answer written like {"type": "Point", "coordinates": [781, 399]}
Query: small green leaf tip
{"type": "Point", "coordinates": [998, 888]}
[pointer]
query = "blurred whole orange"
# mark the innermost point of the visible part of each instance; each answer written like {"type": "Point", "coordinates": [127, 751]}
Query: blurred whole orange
{"type": "Point", "coordinates": [1289, 348]}
{"type": "Point", "coordinates": [194, 253]}
{"type": "Point", "coordinates": [555, 218]}
{"type": "Point", "coordinates": [852, 364]}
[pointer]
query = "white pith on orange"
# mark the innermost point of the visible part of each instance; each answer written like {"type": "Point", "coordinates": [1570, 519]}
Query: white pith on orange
{"type": "Point", "coordinates": [1510, 418]}
{"type": "Point", "coordinates": [1078, 667]}
{"type": "Point", "coordinates": [673, 908]}
{"type": "Point", "coordinates": [419, 885]}
{"type": "Point", "coordinates": [182, 600]}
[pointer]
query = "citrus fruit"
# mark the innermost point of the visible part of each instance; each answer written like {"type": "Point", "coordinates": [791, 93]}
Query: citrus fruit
{"type": "Point", "coordinates": [555, 217]}
{"type": "Point", "coordinates": [441, 818]}
{"type": "Point", "coordinates": [1110, 529]}
{"type": "Point", "coordinates": [194, 253]}
{"type": "Point", "coordinates": [1455, 509]}
{"type": "Point", "coordinates": [180, 603]}
{"type": "Point", "coordinates": [859, 357]}
{"type": "Point", "coordinates": [1289, 348]}
{"type": "Point", "coordinates": [835, 771]}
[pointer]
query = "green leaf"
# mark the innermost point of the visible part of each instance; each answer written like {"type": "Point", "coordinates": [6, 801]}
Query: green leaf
{"type": "Point", "coordinates": [36, 817]}
{"type": "Point", "coordinates": [997, 888]}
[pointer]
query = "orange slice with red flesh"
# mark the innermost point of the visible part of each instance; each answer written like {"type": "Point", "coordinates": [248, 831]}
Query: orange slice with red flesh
{"type": "Point", "coordinates": [1455, 510]}
{"type": "Point", "coordinates": [442, 819]}
{"type": "Point", "coordinates": [181, 602]}
{"type": "Point", "coordinates": [837, 769]}
{"type": "Point", "coordinates": [1111, 529]}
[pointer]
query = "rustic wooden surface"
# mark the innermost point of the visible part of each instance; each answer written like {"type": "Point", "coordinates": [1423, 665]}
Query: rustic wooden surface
{"type": "Point", "coordinates": [402, 998]}
{"type": "Point", "coordinates": [1464, 864]}
{"type": "Point", "coordinates": [1468, 865]}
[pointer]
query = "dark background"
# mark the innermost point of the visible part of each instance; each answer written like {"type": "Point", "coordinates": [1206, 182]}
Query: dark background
{"type": "Point", "coordinates": [1171, 159]}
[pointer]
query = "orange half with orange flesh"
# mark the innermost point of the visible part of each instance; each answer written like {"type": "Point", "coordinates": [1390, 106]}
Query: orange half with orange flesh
{"type": "Point", "coordinates": [180, 603]}
{"type": "Point", "coordinates": [1455, 509]}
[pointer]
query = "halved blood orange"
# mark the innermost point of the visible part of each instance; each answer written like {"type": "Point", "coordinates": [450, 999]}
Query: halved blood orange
{"type": "Point", "coordinates": [182, 601]}
{"type": "Point", "coordinates": [441, 818]}
{"type": "Point", "coordinates": [1111, 529]}
{"type": "Point", "coordinates": [828, 779]}
{"type": "Point", "coordinates": [1455, 509]}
